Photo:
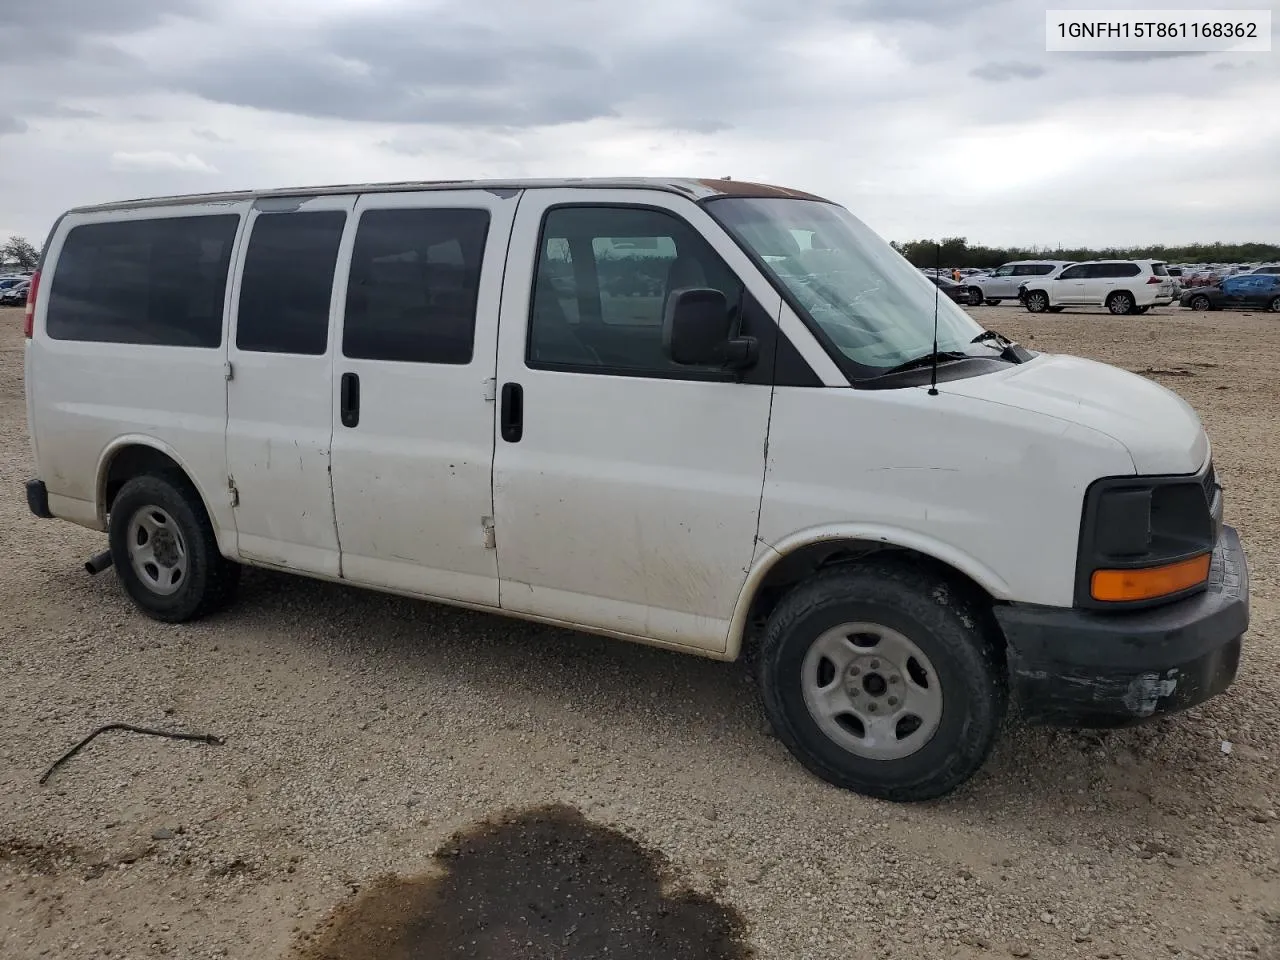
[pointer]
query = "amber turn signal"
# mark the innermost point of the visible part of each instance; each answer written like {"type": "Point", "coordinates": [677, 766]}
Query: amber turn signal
{"type": "Point", "coordinates": [1148, 583]}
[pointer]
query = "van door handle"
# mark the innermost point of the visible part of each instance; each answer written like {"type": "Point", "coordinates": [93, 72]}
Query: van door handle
{"type": "Point", "coordinates": [349, 401]}
{"type": "Point", "coordinates": [511, 417]}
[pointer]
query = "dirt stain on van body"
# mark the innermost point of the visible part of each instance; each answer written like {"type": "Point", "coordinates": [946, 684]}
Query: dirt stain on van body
{"type": "Point", "coordinates": [542, 884]}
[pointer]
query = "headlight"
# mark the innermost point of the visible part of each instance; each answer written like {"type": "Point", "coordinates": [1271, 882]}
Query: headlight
{"type": "Point", "coordinates": [1146, 540]}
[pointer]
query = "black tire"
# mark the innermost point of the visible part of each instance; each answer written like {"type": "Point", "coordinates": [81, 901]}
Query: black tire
{"type": "Point", "coordinates": [1275, 305]}
{"type": "Point", "coordinates": [1200, 302]}
{"type": "Point", "coordinates": [209, 580]}
{"type": "Point", "coordinates": [1037, 301]}
{"type": "Point", "coordinates": [1121, 303]}
{"type": "Point", "coordinates": [948, 626]}
{"type": "Point", "coordinates": [991, 303]}
{"type": "Point", "coordinates": [1056, 309]}
{"type": "Point", "coordinates": [1141, 310]}
{"type": "Point", "coordinates": [975, 297]}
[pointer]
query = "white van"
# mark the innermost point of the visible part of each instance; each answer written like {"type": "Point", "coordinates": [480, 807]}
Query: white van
{"type": "Point", "coordinates": [659, 410]}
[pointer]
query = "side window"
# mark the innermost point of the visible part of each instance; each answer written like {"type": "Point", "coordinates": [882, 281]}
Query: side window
{"type": "Point", "coordinates": [1072, 273]}
{"type": "Point", "coordinates": [159, 282]}
{"type": "Point", "coordinates": [1004, 271]}
{"type": "Point", "coordinates": [415, 279]}
{"type": "Point", "coordinates": [287, 282]}
{"type": "Point", "coordinates": [604, 275]}
{"type": "Point", "coordinates": [1126, 270]}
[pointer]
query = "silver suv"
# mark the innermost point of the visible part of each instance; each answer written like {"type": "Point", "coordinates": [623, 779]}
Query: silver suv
{"type": "Point", "coordinates": [1003, 283]}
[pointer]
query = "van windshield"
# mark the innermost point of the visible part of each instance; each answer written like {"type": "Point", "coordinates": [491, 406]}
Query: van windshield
{"type": "Point", "coordinates": [874, 306]}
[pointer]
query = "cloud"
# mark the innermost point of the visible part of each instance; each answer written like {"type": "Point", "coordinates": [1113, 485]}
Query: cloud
{"type": "Point", "coordinates": [157, 160]}
{"type": "Point", "coordinates": [10, 124]}
{"type": "Point", "coordinates": [926, 117]}
{"type": "Point", "coordinates": [1010, 70]}
{"type": "Point", "coordinates": [211, 136]}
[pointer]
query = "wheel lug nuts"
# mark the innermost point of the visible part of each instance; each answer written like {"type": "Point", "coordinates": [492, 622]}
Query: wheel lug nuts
{"type": "Point", "coordinates": [854, 671]}
{"type": "Point", "coordinates": [875, 664]}
{"type": "Point", "coordinates": [893, 701]}
{"type": "Point", "coordinates": [894, 679]}
{"type": "Point", "coordinates": [871, 707]}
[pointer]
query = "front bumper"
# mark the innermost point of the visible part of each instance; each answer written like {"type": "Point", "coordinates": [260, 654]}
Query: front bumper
{"type": "Point", "coordinates": [1078, 668]}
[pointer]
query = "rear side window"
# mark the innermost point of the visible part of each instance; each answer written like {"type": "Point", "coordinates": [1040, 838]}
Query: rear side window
{"type": "Point", "coordinates": [415, 279]}
{"type": "Point", "coordinates": [1124, 270]}
{"type": "Point", "coordinates": [160, 282]}
{"type": "Point", "coordinates": [288, 281]}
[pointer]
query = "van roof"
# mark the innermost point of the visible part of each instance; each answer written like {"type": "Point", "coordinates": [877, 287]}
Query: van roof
{"type": "Point", "coordinates": [695, 188]}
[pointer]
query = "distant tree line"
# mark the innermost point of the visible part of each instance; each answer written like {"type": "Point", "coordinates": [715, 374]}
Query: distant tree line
{"type": "Point", "coordinates": [956, 252]}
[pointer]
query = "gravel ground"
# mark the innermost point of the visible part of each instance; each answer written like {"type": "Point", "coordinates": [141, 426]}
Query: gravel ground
{"type": "Point", "coordinates": [385, 758]}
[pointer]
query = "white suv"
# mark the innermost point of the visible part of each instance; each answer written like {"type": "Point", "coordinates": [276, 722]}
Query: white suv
{"type": "Point", "coordinates": [1122, 286]}
{"type": "Point", "coordinates": [1003, 283]}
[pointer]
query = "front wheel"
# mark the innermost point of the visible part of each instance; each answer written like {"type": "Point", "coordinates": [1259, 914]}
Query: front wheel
{"type": "Point", "coordinates": [1275, 305]}
{"type": "Point", "coordinates": [1037, 301]}
{"type": "Point", "coordinates": [1120, 303]}
{"type": "Point", "coordinates": [991, 303]}
{"type": "Point", "coordinates": [882, 679]}
{"type": "Point", "coordinates": [164, 550]}
{"type": "Point", "coordinates": [1200, 303]}
{"type": "Point", "coordinates": [975, 297]}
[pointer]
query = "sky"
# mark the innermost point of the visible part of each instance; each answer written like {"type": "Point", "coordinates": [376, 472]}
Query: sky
{"type": "Point", "coordinates": [926, 118]}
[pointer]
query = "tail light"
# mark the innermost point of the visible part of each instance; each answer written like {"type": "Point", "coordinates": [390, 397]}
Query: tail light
{"type": "Point", "coordinates": [1154, 279]}
{"type": "Point", "coordinates": [30, 321]}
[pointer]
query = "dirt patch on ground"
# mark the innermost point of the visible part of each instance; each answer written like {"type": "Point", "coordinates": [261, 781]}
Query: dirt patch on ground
{"type": "Point", "coordinates": [545, 883]}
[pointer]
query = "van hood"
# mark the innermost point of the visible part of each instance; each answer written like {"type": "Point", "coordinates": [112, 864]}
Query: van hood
{"type": "Point", "coordinates": [1161, 431]}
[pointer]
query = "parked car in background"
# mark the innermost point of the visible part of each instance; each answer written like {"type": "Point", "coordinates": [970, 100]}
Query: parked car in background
{"type": "Point", "coordinates": [1004, 282]}
{"type": "Point", "coordinates": [1248, 291]}
{"type": "Point", "coordinates": [949, 288]}
{"type": "Point", "coordinates": [1270, 269]}
{"type": "Point", "coordinates": [1122, 286]}
{"type": "Point", "coordinates": [14, 295]}
{"type": "Point", "coordinates": [1022, 288]}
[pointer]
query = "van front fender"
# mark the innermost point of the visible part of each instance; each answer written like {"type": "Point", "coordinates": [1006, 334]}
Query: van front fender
{"type": "Point", "coordinates": [770, 555]}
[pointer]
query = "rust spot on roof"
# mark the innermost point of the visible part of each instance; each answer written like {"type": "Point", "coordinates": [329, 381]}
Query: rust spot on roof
{"type": "Point", "coordinates": [744, 188]}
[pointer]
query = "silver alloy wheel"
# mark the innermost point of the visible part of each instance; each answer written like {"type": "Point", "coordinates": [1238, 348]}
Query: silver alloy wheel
{"type": "Point", "coordinates": [1200, 303]}
{"type": "Point", "coordinates": [872, 691]}
{"type": "Point", "coordinates": [1037, 302]}
{"type": "Point", "coordinates": [1120, 303]}
{"type": "Point", "coordinates": [1275, 305]}
{"type": "Point", "coordinates": [156, 550]}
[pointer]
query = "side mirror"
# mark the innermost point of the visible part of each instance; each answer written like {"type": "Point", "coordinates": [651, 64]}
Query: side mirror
{"type": "Point", "coordinates": [697, 328]}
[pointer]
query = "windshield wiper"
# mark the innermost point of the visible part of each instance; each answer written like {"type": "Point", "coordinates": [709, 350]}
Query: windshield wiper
{"type": "Point", "coordinates": [987, 335]}
{"type": "Point", "coordinates": [926, 359]}
{"type": "Point", "coordinates": [1009, 349]}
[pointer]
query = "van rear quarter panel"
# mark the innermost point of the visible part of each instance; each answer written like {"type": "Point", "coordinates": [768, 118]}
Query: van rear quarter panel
{"type": "Point", "coordinates": [90, 399]}
{"type": "Point", "coordinates": [991, 490]}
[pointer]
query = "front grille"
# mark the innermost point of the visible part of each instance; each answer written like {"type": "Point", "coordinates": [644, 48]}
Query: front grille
{"type": "Point", "coordinates": [1210, 482]}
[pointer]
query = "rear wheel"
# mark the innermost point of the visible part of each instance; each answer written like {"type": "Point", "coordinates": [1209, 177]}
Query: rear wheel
{"type": "Point", "coordinates": [164, 550]}
{"type": "Point", "coordinates": [1120, 303]}
{"type": "Point", "coordinates": [975, 297]}
{"type": "Point", "coordinates": [883, 679]}
{"type": "Point", "coordinates": [1275, 305]}
{"type": "Point", "coordinates": [1141, 309]}
{"type": "Point", "coordinates": [1037, 301]}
